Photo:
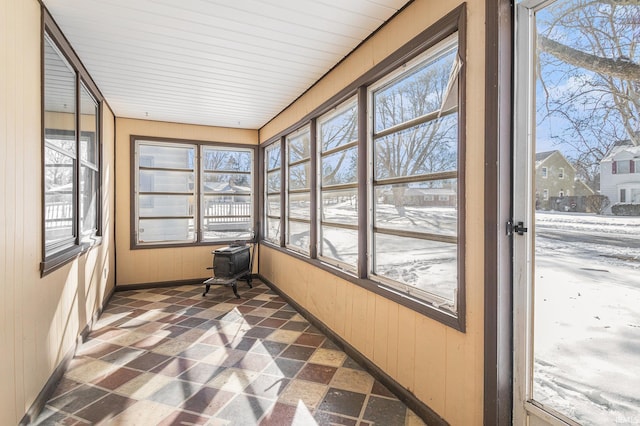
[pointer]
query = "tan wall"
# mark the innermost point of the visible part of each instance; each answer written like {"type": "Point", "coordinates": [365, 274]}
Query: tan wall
{"type": "Point", "coordinates": [441, 366]}
{"type": "Point", "coordinates": [162, 264]}
{"type": "Point", "coordinates": [40, 318]}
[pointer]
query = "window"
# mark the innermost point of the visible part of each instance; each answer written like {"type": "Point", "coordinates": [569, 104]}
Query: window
{"type": "Point", "coordinates": [71, 154]}
{"type": "Point", "coordinates": [299, 190]}
{"type": "Point", "coordinates": [621, 167]}
{"type": "Point", "coordinates": [561, 194]}
{"type": "Point", "coordinates": [545, 194]}
{"type": "Point", "coordinates": [173, 181]}
{"type": "Point", "coordinates": [623, 195]}
{"type": "Point", "coordinates": [338, 177]}
{"type": "Point", "coordinates": [415, 135]}
{"type": "Point", "coordinates": [545, 172]}
{"type": "Point", "coordinates": [273, 188]}
{"type": "Point", "coordinates": [561, 173]}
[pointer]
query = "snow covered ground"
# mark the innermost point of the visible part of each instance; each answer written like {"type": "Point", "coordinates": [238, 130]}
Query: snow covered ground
{"type": "Point", "coordinates": [587, 322]}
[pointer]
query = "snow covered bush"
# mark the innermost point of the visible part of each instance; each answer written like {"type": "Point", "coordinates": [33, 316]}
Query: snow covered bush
{"type": "Point", "coordinates": [624, 209]}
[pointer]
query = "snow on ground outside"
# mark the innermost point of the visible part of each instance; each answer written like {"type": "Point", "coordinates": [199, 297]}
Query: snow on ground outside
{"type": "Point", "coordinates": [587, 325]}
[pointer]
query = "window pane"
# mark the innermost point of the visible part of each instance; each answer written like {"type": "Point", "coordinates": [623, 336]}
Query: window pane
{"type": "Point", "coordinates": [273, 181]}
{"type": "Point", "coordinates": [58, 200]}
{"type": "Point", "coordinates": [166, 205]}
{"type": "Point", "coordinates": [414, 94]}
{"type": "Point", "coordinates": [340, 167]}
{"type": "Point", "coordinates": [339, 244]}
{"type": "Point", "coordinates": [298, 147]}
{"type": "Point", "coordinates": [299, 176]}
{"type": "Point", "coordinates": [300, 205]}
{"type": "Point", "coordinates": [59, 99]}
{"type": "Point", "coordinates": [228, 205]}
{"type": "Point", "coordinates": [227, 231]}
{"type": "Point", "coordinates": [340, 206]}
{"type": "Point", "coordinates": [273, 230]}
{"type": "Point", "coordinates": [273, 156]}
{"type": "Point", "coordinates": [340, 129]}
{"type": "Point", "coordinates": [88, 127]}
{"type": "Point", "coordinates": [429, 266]}
{"type": "Point", "coordinates": [166, 181]}
{"type": "Point", "coordinates": [235, 183]}
{"type": "Point", "coordinates": [427, 148]}
{"type": "Point", "coordinates": [166, 230]}
{"type": "Point", "coordinates": [170, 157]}
{"type": "Point", "coordinates": [88, 199]}
{"type": "Point", "coordinates": [226, 160]}
{"type": "Point", "coordinates": [273, 205]}
{"type": "Point", "coordinates": [429, 207]}
{"type": "Point", "coordinates": [298, 235]}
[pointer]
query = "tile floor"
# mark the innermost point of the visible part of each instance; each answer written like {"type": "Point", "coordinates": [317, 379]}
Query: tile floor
{"type": "Point", "coordinates": [169, 356]}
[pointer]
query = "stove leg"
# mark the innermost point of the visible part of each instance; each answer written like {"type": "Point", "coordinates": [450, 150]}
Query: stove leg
{"type": "Point", "coordinates": [234, 286]}
{"type": "Point", "coordinates": [206, 290]}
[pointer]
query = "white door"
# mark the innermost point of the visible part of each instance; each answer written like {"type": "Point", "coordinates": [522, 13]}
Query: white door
{"type": "Point", "coordinates": [576, 263]}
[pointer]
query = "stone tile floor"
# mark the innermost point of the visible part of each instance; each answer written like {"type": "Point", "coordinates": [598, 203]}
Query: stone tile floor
{"type": "Point", "coordinates": [170, 356]}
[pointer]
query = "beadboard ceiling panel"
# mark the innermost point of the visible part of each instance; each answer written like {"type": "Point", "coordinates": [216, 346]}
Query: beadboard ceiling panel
{"type": "Point", "coordinates": [213, 62]}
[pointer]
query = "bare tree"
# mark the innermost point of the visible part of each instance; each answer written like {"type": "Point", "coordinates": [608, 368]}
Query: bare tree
{"type": "Point", "coordinates": [590, 75]}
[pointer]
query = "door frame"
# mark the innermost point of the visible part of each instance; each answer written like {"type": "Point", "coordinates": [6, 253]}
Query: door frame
{"type": "Point", "coordinates": [498, 301]}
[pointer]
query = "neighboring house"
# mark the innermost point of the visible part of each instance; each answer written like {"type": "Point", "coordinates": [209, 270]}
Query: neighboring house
{"type": "Point", "coordinates": [556, 185]}
{"type": "Point", "coordinates": [620, 173]}
{"type": "Point", "coordinates": [425, 197]}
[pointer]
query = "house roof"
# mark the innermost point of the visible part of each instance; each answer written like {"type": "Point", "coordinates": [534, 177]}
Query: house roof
{"type": "Point", "coordinates": [622, 147]}
{"type": "Point", "coordinates": [540, 156]}
{"type": "Point", "coordinates": [215, 62]}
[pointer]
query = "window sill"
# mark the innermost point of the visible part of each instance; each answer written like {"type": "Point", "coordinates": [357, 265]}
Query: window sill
{"type": "Point", "coordinates": [61, 258]}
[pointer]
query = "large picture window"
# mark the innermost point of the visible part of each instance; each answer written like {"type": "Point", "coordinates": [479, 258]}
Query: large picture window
{"type": "Point", "coordinates": [415, 186]}
{"type": "Point", "coordinates": [187, 193]}
{"type": "Point", "coordinates": [71, 155]}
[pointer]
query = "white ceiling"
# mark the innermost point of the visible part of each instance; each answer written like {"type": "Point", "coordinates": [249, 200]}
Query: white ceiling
{"type": "Point", "coordinates": [230, 63]}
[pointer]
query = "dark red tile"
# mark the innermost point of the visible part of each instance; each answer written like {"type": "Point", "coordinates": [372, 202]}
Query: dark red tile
{"type": "Point", "coordinates": [147, 361]}
{"type": "Point", "coordinates": [259, 332]}
{"type": "Point", "coordinates": [317, 373]}
{"type": "Point", "coordinates": [307, 339]}
{"type": "Point", "coordinates": [252, 319]}
{"type": "Point", "coordinates": [139, 303]}
{"type": "Point", "coordinates": [106, 408]}
{"type": "Point", "coordinates": [118, 378]}
{"type": "Point", "coordinates": [298, 352]}
{"type": "Point", "coordinates": [272, 322]}
{"type": "Point", "coordinates": [243, 309]}
{"type": "Point", "coordinates": [380, 389]}
{"type": "Point", "coordinates": [274, 305]}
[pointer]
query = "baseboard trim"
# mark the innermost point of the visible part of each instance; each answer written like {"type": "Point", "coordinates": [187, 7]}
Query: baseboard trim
{"type": "Point", "coordinates": [146, 286]}
{"type": "Point", "coordinates": [429, 416]}
{"type": "Point", "coordinates": [49, 388]}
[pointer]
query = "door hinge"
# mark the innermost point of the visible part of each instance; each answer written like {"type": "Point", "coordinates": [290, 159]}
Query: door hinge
{"type": "Point", "coordinates": [518, 228]}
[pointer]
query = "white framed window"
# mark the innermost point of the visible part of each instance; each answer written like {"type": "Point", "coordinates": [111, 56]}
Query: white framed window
{"type": "Point", "coordinates": [544, 172]}
{"type": "Point", "coordinates": [561, 173]}
{"type": "Point", "coordinates": [337, 136]}
{"type": "Point", "coordinates": [545, 194]}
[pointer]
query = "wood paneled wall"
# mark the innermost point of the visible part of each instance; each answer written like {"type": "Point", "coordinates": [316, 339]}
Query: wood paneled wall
{"type": "Point", "coordinates": [40, 318]}
{"type": "Point", "coordinates": [162, 264]}
{"type": "Point", "coordinates": [441, 366]}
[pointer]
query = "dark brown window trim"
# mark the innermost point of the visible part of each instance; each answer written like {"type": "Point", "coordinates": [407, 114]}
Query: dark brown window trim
{"type": "Point", "coordinates": [78, 244]}
{"type": "Point", "coordinates": [498, 304]}
{"type": "Point", "coordinates": [132, 196]}
{"type": "Point", "coordinates": [453, 22]}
